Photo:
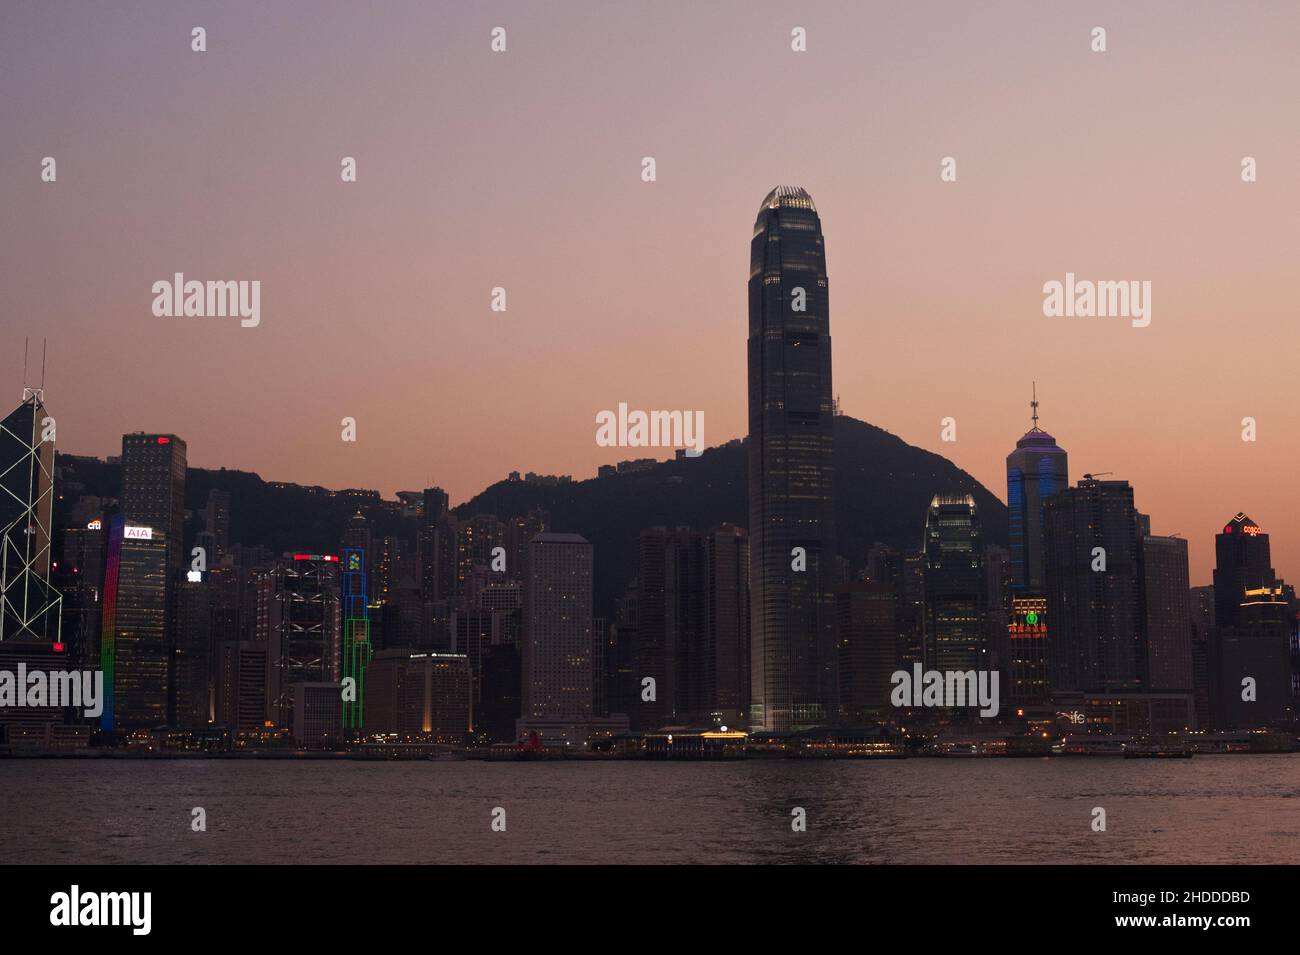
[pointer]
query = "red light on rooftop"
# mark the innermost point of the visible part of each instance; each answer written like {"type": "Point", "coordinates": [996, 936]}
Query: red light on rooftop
{"type": "Point", "coordinates": [162, 440]}
{"type": "Point", "coordinates": [58, 648]}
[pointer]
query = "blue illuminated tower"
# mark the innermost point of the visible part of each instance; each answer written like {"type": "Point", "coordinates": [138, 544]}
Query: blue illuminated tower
{"type": "Point", "coordinates": [356, 634]}
{"type": "Point", "coordinates": [1036, 470]}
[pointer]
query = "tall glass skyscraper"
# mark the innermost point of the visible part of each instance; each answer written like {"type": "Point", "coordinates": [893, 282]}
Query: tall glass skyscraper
{"type": "Point", "coordinates": [29, 605]}
{"type": "Point", "coordinates": [793, 671]}
{"type": "Point", "coordinates": [955, 585]}
{"type": "Point", "coordinates": [135, 646]}
{"type": "Point", "coordinates": [1036, 470]}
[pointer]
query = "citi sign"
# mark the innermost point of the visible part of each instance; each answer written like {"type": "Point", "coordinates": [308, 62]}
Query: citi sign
{"type": "Point", "coordinates": [137, 533]}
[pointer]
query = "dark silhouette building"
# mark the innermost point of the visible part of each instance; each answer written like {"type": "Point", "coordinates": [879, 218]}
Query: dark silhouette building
{"type": "Point", "coordinates": [1241, 562]}
{"type": "Point", "coordinates": [692, 628]}
{"type": "Point", "coordinates": [500, 692]}
{"type": "Point", "coordinates": [1166, 614]}
{"type": "Point", "coordinates": [556, 660]}
{"type": "Point", "coordinates": [193, 657]}
{"type": "Point", "coordinates": [1252, 684]}
{"type": "Point", "coordinates": [240, 691]}
{"type": "Point", "coordinates": [955, 586]}
{"type": "Point", "coordinates": [866, 619]}
{"type": "Point", "coordinates": [29, 604]}
{"type": "Point", "coordinates": [793, 662]}
{"type": "Point", "coordinates": [1093, 587]}
{"type": "Point", "coordinates": [153, 487]}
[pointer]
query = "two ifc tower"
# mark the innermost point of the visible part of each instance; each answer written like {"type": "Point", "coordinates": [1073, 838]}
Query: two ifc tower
{"type": "Point", "coordinates": [794, 678]}
{"type": "Point", "coordinates": [794, 672]}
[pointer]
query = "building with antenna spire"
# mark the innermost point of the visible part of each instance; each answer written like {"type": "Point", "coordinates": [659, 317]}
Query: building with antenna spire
{"type": "Point", "coordinates": [1037, 469]}
{"type": "Point", "coordinates": [29, 604]}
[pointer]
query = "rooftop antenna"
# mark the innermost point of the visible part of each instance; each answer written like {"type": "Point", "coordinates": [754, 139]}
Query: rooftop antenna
{"type": "Point", "coordinates": [33, 394]}
{"type": "Point", "coordinates": [1034, 405]}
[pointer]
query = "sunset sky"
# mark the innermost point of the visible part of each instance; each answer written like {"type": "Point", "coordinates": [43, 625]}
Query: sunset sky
{"type": "Point", "coordinates": [522, 169]}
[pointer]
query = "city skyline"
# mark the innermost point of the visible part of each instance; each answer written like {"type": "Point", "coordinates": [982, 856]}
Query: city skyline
{"type": "Point", "coordinates": [1085, 608]}
{"type": "Point", "coordinates": [1227, 510]}
{"type": "Point", "coordinates": [432, 450]}
{"type": "Point", "coordinates": [391, 282]}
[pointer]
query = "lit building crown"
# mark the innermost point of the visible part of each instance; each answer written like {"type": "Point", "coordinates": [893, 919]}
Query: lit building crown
{"type": "Point", "coordinates": [788, 197]}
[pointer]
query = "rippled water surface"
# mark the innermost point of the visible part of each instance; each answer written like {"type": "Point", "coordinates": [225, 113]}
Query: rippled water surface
{"type": "Point", "coordinates": [1206, 809]}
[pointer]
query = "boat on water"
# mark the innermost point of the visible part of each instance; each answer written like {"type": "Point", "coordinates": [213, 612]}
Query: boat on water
{"type": "Point", "coordinates": [1149, 750]}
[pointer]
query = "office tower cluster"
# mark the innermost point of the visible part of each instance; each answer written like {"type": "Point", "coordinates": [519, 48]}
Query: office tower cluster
{"type": "Point", "coordinates": [207, 641]}
{"type": "Point", "coordinates": [419, 626]}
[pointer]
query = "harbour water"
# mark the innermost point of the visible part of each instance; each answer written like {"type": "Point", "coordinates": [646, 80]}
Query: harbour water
{"type": "Point", "coordinates": [1211, 809]}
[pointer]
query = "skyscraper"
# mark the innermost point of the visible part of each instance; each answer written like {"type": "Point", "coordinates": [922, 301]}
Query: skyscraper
{"type": "Point", "coordinates": [1242, 562]}
{"type": "Point", "coordinates": [1093, 587]}
{"type": "Point", "coordinates": [1166, 614]}
{"type": "Point", "coordinates": [724, 681]}
{"type": "Point", "coordinates": [793, 662]}
{"type": "Point", "coordinates": [666, 604]}
{"type": "Point", "coordinates": [153, 487]}
{"type": "Point", "coordinates": [955, 585]}
{"type": "Point", "coordinates": [357, 650]}
{"type": "Point", "coordinates": [135, 645]}
{"type": "Point", "coordinates": [80, 580]}
{"type": "Point", "coordinates": [29, 605]}
{"type": "Point", "coordinates": [1024, 663]}
{"type": "Point", "coordinates": [1252, 635]}
{"type": "Point", "coordinates": [557, 635]}
{"type": "Point", "coordinates": [193, 655]}
{"type": "Point", "coordinates": [1036, 470]}
{"type": "Point", "coordinates": [241, 685]}
{"type": "Point", "coordinates": [868, 647]}
{"type": "Point", "coordinates": [302, 629]}
{"type": "Point", "coordinates": [357, 536]}
{"type": "Point", "coordinates": [420, 694]}
{"type": "Point", "coordinates": [693, 622]}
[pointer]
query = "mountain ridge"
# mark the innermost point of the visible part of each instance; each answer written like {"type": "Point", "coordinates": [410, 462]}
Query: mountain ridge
{"type": "Point", "coordinates": [883, 486]}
